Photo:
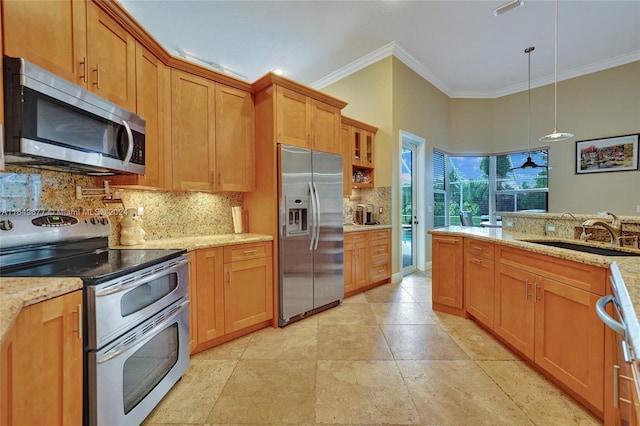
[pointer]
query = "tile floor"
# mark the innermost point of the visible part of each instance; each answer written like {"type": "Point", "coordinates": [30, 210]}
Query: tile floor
{"type": "Point", "coordinates": [381, 357]}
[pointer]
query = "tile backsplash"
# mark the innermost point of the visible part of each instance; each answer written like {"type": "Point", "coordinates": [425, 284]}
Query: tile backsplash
{"type": "Point", "coordinates": [379, 197]}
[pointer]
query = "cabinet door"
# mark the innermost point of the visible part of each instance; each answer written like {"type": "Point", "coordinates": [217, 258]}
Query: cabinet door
{"type": "Point", "coordinates": [478, 286]}
{"type": "Point", "coordinates": [51, 34]}
{"type": "Point", "coordinates": [349, 267]}
{"type": "Point", "coordinates": [366, 158]}
{"type": "Point", "coordinates": [111, 55]}
{"type": "Point", "coordinates": [248, 293]}
{"type": "Point", "coordinates": [7, 379]}
{"type": "Point", "coordinates": [569, 340]}
{"type": "Point", "coordinates": [362, 264]}
{"type": "Point", "coordinates": [514, 308]}
{"type": "Point", "coordinates": [47, 363]}
{"type": "Point", "coordinates": [193, 300]}
{"type": "Point", "coordinates": [447, 283]}
{"type": "Point", "coordinates": [235, 140]}
{"type": "Point", "coordinates": [192, 132]}
{"type": "Point", "coordinates": [210, 293]}
{"type": "Point", "coordinates": [292, 118]}
{"type": "Point", "coordinates": [345, 141]}
{"type": "Point", "coordinates": [325, 127]}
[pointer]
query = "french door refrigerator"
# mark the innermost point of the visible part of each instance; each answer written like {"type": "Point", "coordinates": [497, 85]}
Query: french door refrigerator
{"type": "Point", "coordinates": [310, 232]}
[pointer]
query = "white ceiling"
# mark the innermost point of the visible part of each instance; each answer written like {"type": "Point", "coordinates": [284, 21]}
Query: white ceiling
{"type": "Point", "coordinates": [459, 46]}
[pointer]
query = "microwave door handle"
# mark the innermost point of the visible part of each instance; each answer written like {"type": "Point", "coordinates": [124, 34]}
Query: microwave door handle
{"type": "Point", "coordinates": [127, 157]}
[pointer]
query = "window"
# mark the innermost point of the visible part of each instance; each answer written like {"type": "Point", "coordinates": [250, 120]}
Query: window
{"type": "Point", "coordinates": [485, 185]}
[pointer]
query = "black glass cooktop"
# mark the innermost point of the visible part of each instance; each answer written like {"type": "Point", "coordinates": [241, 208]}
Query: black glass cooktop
{"type": "Point", "coordinates": [95, 267]}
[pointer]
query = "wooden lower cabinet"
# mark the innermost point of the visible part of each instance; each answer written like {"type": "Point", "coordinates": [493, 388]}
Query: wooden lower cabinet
{"type": "Point", "coordinates": [367, 259]}
{"type": "Point", "coordinates": [233, 292]}
{"type": "Point", "coordinates": [447, 274]}
{"type": "Point", "coordinates": [479, 287]}
{"type": "Point", "coordinates": [41, 364]}
{"type": "Point", "coordinates": [556, 326]}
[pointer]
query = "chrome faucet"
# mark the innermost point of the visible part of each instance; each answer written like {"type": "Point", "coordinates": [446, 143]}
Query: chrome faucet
{"type": "Point", "coordinates": [583, 236]}
{"type": "Point", "coordinates": [614, 228]}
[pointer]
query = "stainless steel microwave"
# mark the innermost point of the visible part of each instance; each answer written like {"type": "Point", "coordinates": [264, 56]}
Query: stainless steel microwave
{"type": "Point", "coordinates": [54, 124]}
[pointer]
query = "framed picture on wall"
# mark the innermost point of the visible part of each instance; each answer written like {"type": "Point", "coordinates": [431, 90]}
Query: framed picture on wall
{"type": "Point", "coordinates": [613, 154]}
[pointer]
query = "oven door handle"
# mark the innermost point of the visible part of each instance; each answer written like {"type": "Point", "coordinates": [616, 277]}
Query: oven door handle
{"type": "Point", "coordinates": [150, 334]}
{"type": "Point", "coordinates": [138, 282]}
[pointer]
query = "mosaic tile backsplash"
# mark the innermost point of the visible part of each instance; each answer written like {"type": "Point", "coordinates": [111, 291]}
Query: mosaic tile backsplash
{"type": "Point", "coordinates": [379, 197]}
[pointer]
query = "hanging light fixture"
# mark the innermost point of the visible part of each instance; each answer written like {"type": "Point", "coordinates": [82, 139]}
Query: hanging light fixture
{"type": "Point", "coordinates": [529, 163]}
{"type": "Point", "coordinates": [556, 135]}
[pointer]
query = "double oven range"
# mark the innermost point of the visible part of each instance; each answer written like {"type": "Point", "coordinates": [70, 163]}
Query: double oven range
{"type": "Point", "coordinates": [135, 310]}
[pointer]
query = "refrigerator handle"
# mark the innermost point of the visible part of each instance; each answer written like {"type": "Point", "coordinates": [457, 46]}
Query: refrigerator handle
{"type": "Point", "coordinates": [317, 212]}
{"type": "Point", "coordinates": [312, 222]}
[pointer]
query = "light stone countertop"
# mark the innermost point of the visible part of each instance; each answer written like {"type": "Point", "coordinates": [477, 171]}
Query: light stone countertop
{"type": "Point", "coordinates": [629, 265]}
{"type": "Point", "coordinates": [356, 228]}
{"type": "Point", "coordinates": [18, 292]}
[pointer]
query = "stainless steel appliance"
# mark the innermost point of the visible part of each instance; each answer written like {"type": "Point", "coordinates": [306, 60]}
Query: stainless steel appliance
{"type": "Point", "coordinates": [310, 232]}
{"type": "Point", "coordinates": [136, 317]}
{"type": "Point", "coordinates": [54, 124]}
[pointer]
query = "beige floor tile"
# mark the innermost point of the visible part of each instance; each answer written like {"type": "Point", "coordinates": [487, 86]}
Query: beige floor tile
{"type": "Point", "coordinates": [229, 350]}
{"type": "Point", "coordinates": [401, 313]}
{"type": "Point", "coordinates": [477, 343]}
{"type": "Point", "coordinates": [421, 342]}
{"type": "Point", "coordinates": [352, 342]}
{"type": "Point", "coordinates": [268, 392]}
{"type": "Point", "coordinates": [388, 293]}
{"type": "Point", "coordinates": [295, 341]}
{"type": "Point", "coordinates": [362, 392]}
{"type": "Point", "coordinates": [358, 298]}
{"type": "Point", "coordinates": [544, 403]}
{"type": "Point", "coordinates": [348, 313]}
{"type": "Point", "coordinates": [458, 393]}
{"type": "Point", "coordinates": [193, 397]}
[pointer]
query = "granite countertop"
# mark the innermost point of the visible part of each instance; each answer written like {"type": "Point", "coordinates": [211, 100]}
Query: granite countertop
{"type": "Point", "coordinates": [356, 228]}
{"type": "Point", "coordinates": [629, 265]}
{"type": "Point", "coordinates": [16, 293]}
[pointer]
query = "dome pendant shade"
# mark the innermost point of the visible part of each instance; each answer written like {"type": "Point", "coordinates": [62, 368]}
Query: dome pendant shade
{"type": "Point", "coordinates": [556, 135]}
{"type": "Point", "coordinates": [529, 163]}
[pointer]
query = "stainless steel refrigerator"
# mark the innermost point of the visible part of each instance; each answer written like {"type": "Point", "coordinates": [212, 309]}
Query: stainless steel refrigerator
{"type": "Point", "coordinates": [310, 232]}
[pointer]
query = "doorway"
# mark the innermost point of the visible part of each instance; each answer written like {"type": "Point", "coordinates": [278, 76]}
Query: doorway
{"type": "Point", "coordinates": [411, 215]}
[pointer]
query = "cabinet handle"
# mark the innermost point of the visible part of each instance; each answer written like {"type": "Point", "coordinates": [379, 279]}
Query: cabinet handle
{"type": "Point", "coordinates": [84, 69]}
{"type": "Point", "coordinates": [219, 178]}
{"type": "Point", "coordinates": [526, 289]}
{"type": "Point", "coordinates": [213, 178]}
{"type": "Point", "coordinates": [477, 261]}
{"type": "Point", "coordinates": [477, 248]}
{"type": "Point", "coordinates": [380, 249]}
{"type": "Point", "coordinates": [538, 297]}
{"type": "Point", "coordinates": [79, 329]}
{"type": "Point", "coordinates": [381, 270]}
{"type": "Point", "coordinates": [616, 385]}
{"type": "Point", "coordinates": [229, 277]}
{"type": "Point", "coordinates": [249, 251]}
{"type": "Point", "coordinates": [97, 70]}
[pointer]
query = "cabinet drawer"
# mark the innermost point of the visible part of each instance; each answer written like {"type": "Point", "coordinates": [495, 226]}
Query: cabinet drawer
{"type": "Point", "coordinates": [479, 247]}
{"type": "Point", "coordinates": [379, 272]}
{"type": "Point", "coordinates": [355, 237]}
{"type": "Point", "coordinates": [587, 277]}
{"type": "Point", "coordinates": [379, 233]}
{"type": "Point", "coordinates": [379, 250]}
{"type": "Point", "coordinates": [246, 252]}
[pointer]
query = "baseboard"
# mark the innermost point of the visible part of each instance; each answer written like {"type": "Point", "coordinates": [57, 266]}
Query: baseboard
{"type": "Point", "coordinates": [396, 278]}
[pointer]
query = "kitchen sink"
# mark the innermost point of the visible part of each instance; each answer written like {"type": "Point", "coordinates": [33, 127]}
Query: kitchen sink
{"type": "Point", "coordinates": [586, 249]}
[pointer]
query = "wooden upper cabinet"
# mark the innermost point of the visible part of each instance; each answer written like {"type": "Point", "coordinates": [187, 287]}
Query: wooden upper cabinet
{"type": "Point", "coordinates": [152, 87]}
{"type": "Point", "coordinates": [234, 140]}
{"type": "Point", "coordinates": [293, 118]}
{"type": "Point", "coordinates": [305, 122]}
{"type": "Point", "coordinates": [345, 141]}
{"type": "Point", "coordinates": [50, 34]}
{"type": "Point", "coordinates": [110, 58]}
{"type": "Point", "coordinates": [325, 127]}
{"type": "Point", "coordinates": [192, 132]}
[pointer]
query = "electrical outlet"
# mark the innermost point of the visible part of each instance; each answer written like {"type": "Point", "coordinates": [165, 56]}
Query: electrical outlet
{"type": "Point", "coordinates": [379, 210]}
{"type": "Point", "coordinates": [551, 229]}
{"type": "Point", "coordinates": [508, 223]}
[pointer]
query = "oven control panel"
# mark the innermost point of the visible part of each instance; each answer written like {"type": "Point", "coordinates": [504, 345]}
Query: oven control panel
{"type": "Point", "coordinates": [21, 228]}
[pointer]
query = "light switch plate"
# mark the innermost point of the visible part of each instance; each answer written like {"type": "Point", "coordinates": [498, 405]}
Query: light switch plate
{"type": "Point", "coordinates": [507, 223]}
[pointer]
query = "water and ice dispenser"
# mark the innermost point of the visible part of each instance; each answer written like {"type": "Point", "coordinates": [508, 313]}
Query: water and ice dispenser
{"type": "Point", "coordinates": [296, 209]}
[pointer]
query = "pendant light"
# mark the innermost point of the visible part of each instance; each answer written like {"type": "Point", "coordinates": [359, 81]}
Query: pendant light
{"type": "Point", "coordinates": [556, 135]}
{"type": "Point", "coordinates": [529, 163]}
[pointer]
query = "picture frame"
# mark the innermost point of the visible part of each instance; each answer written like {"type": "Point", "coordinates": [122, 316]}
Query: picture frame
{"type": "Point", "coordinates": [612, 154]}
